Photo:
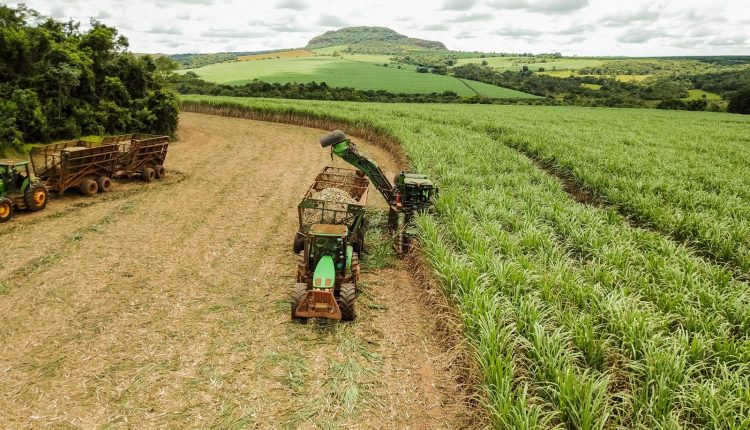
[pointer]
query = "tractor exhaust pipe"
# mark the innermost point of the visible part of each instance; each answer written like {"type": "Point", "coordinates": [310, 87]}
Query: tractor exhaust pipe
{"type": "Point", "coordinates": [332, 138]}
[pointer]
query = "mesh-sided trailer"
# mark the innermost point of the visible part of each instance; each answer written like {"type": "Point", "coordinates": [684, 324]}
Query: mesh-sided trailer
{"type": "Point", "coordinates": [317, 211]}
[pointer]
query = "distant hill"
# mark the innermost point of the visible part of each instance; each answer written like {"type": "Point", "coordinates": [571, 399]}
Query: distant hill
{"type": "Point", "coordinates": [371, 39]}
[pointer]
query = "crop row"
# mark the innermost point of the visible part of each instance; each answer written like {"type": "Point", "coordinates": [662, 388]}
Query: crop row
{"type": "Point", "coordinates": [577, 319]}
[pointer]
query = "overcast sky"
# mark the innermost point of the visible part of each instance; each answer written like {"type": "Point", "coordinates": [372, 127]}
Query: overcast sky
{"type": "Point", "coordinates": [573, 27]}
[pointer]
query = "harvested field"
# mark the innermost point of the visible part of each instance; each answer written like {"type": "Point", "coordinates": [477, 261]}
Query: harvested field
{"type": "Point", "coordinates": [166, 305]}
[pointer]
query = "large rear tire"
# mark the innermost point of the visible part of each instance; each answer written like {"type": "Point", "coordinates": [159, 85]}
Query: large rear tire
{"type": "Point", "coordinates": [298, 293]}
{"type": "Point", "coordinates": [89, 187]}
{"type": "Point", "coordinates": [6, 210]}
{"type": "Point", "coordinates": [104, 184]}
{"type": "Point", "coordinates": [347, 299]}
{"type": "Point", "coordinates": [148, 174]}
{"type": "Point", "coordinates": [35, 197]}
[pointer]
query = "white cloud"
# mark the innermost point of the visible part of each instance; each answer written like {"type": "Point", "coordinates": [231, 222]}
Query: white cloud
{"type": "Point", "coordinates": [582, 27]}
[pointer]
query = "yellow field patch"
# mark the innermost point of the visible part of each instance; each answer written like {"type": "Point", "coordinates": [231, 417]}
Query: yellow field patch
{"type": "Point", "coordinates": [293, 53]}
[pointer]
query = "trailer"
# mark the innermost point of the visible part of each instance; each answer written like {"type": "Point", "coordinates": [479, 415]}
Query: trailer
{"type": "Point", "coordinates": [140, 155]}
{"type": "Point", "coordinates": [75, 164]}
{"type": "Point", "coordinates": [316, 210]}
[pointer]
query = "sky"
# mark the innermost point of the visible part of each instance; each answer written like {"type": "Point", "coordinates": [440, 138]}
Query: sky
{"type": "Point", "coordinates": [571, 27]}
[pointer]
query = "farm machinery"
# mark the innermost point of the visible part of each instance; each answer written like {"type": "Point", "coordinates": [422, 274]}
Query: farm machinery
{"type": "Point", "coordinates": [139, 155]}
{"type": "Point", "coordinates": [409, 193]}
{"type": "Point", "coordinates": [75, 164]}
{"type": "Point", "coordinates": [19, 189]}
{"type": "Point", "coordinates": [331, 219]}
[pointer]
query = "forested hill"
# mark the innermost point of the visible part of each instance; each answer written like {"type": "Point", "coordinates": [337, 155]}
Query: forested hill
{"type": "Point", "coordinates": [374, 38]}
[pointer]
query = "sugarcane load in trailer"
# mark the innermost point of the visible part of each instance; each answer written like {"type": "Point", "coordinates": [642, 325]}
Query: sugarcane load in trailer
{"type": "Point", "coordinates": [409, 193]}
{"type": "Point", "coordinates": [331, 218]}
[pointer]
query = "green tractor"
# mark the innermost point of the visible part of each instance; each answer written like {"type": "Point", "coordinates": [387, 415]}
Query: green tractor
{"type": "Point", "coordinates": [327, 275]}
{"type": "Point", "coordinates": [19, 189]}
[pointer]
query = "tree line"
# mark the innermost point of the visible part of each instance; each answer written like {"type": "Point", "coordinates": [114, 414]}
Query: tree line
{"type": "Point", "coordinates": [58, 82]}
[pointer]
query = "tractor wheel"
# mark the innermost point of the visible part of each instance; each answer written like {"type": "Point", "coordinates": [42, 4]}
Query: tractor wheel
{"type": "Point", "coordinates": [89, 187]}
{"type": "Point", "coordinates": [35, 197]}
{"type": "Point", "coordinates": [148, 174]}
{"type": "Point", "coordinates": [158, 171]}
{"type": "Point", "coordinates": [104, 184]}
{"type": "Point", "coordinates": [346, 300]}
{"type": "Point", "coordinates": [355, 268]}
{"type": "Point", "coordinates": [301, 266]}
{"type": "Point", "coordinates": [299, 243]}
{"type": "Point", "coordinates": [332, 138]}
{"type": "Point", "coordinates": [298, 293]}
{"type": "Point", "coordinates": [6, 210]}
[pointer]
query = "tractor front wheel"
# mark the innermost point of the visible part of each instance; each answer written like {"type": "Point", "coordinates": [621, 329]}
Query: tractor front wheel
{"type": "Point", "coordinates": [104, 184]}
{"type": "Point", "coordinates": [35, 197]}
{"type": "Point", "coordinates": [148, 174]}
{"type": "Point", "coordinates": [89, 187]}
{"type": "Point", "coordinates": [346, 300]}
{"type": "Point", "coordinates": [6, 210]}
{"type": "Point", "coordinates": [298, 294]}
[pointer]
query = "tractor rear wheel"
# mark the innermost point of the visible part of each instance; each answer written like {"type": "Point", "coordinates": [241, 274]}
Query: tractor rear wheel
{"type": "Point", "coordinates": [148, 174]}
{"type": "Point", "coordinates": [298, 293]}
{"type": "Point", "coordinates": [6, 210]}
{"type": "Point", "coordinates": [89, 187]}
{"type": "Point", "coordinates": [35, 197]}
{"type": "Point", "coordinates": [346, 300]}
{"type": "Point", "coordinates": [301, 266]}
{"type": "Point", "coordinates": [159, 171]}
{"type": "Point", "coordinates": [104, 184]}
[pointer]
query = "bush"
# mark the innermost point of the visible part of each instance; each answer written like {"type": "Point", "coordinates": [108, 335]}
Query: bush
{"type": "Point", "coordinates": [672, 104]}
{"type": "Point", "coordinates": [740, 103]}
{"type": "Point", "coordinates": [422, 69]}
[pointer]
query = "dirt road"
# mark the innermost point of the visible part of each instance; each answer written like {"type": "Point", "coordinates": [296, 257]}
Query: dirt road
{"type": "Point", "coordinates": [166, 305]}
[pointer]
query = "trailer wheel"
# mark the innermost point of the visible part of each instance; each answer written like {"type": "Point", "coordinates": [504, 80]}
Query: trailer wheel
{"type": "Point", "coordinates": [89, 187]}
{"type": "Point", "coordinates": [148, 174]}
{"type": "Point", "coordinates": [35, 197]}
{"type": "Point", "coordinates": [298, 293]}
{"type": "Point", "coordinates": [346, 300]}
{"type": "Point", "coordinates": [104, 184]}
{"type": "Point", "coordinates": [159, 171]}
{"type": "Point", "coordinates": [6, 210]}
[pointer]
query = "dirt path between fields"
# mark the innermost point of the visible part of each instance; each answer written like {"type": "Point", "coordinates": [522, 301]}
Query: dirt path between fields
{"type": "Point", "coordinates": [166, 305]}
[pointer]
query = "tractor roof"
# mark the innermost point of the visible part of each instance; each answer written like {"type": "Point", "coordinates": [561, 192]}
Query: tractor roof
{"type": "Point", "coordinates": [418, 181]}
{"type": "Point", "coordinates": [11, 162]}
{"type": "Point", "coordinates": [337, 230]}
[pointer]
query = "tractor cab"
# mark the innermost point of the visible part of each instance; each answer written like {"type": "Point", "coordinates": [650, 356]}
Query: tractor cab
{"type": "Point", "coordinates": [14, 176]}
{"type": "Point", "coordinates": [416, 190]}
{"type": "Point", "coordinates": [328, 252]}
{"type": "Point", "coordinates": [19, 189]}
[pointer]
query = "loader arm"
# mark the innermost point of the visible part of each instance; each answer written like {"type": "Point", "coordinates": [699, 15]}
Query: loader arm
{"type": "Point", "coordinates": [346, 150]}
